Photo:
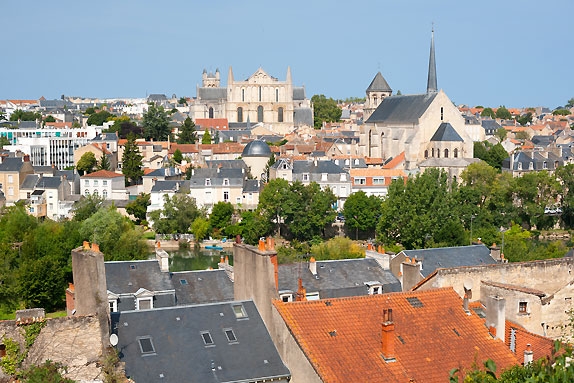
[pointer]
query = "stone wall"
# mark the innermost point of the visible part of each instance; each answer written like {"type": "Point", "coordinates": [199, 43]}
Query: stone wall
{"type": "Point", "coordinates": [73, 341]}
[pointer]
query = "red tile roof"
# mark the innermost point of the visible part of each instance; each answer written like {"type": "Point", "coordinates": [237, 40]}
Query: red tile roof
{"type": "Point", "coordinates": [342, 339]}
{"type": "Point", "coordinates": [541, 346]}
{"type": "Point", "coordinates": [103, 174]}
{"type": "Point", "coordinates": [220, 123]}
{"type": "Point", "coordinates": [395, 161]}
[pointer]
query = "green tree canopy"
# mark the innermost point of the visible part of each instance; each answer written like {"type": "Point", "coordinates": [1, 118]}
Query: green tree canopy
{"type": "Point", "coordinates": [20, 115]}
{"type": "Point", "coordinates": [86, 207]}
{"type": "Point", "coordinates": [4, 141]}
{"type": "Point", "coordinates": [253, 226]}
{"type": "Point", "coordinates": [200, 228]}
{"type": "Point", "coordinates": [138, 207]}
{"type": "Point", "coordinates": [177, 156]}
{"type": "Point", "coordinates": [561, 112]}
{"type": "Point", "coordinates": [87, 163]}
{"type": "Point", "coordinates": [570, 103]}
{"type": "Point", "coordinates": [325, 110]}
{"type": "Point", "coordinates": [156, 123]}
{"type": "Point", "coordinates": [177, 215]}
{"type": "Point", "coordinates": [90, 110]}
{"type": "Point", "coordinates": [501, 133]}
{"type": "Point", "coordinates": [491, 154]}
{"type": "Point", "coordinates": [182, 101]}
{"type": "Point", "coordinates": [187, 133]}
{"type": "Point", "coordinates": [361, 211]}
{"type": "Point", "coordinates": [503, 113]}
{"type": "Point", "coordinates": [104, 163]}
{"type": "Point", "coordinates": [221, 215]}
{"type": "Point", "coordinates": [525, 119]}
{"type": "Point", "coordinates": [99, 118]}
{"type": "Point", "coordinates": [488, 112]}
{"type": "Point", "coordinates": [206, 139]}
{"type": "Point", "coordinates": [132, 161]}
{"type": "Point", "coordinates": [49, 118]}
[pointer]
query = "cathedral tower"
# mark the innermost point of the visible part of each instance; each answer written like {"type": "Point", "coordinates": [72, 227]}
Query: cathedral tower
{"type": "Point", "coordinates": [376, 93]}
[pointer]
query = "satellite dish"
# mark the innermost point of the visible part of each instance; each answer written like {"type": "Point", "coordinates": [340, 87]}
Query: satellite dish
{"type": "Point", "coordinates": [468, 284]}
{"type": "Point", "coordinates": [114, 339]}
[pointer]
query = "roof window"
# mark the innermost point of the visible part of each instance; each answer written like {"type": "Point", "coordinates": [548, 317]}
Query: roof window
{"type": "Point", "coordinates": [133, 267]}
{"type": "Point", "coordinates": [239, 311]}
{"type": "Point", "coordinates": [207, 339]}
{"type": "Point", "coordinates": [230, 335]}
{"type": "Point", "coordinates": [183, 281]}
{"type": "Point", "coordinates": [146, 345]}
{"type": "Point", "coordinates": [415, 302]}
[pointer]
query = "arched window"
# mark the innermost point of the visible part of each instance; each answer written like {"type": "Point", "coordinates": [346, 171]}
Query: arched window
{"type": "Point", "coordinates": [259, 93]}
{"type": "Point", "coordinates": [432, 152]}
{"type": "Point", "coordinates": [426, 153]}
{"type": "Point", "coordinates": [455, 152]}
{"type": "Point", "coordinates": [210, 112]}
{"type": "Point", "coordinates": [441, 113]}
{"type": "Point", "coordinates": [454, 179]}
{"type": "Point", "coordinates": [438, 153]}
{"type": "Point", "coordinates": [260, 112]}
{"type": "Point", "coordinates": [243, 94]}
{"type": "Point", "coordinates": [240, 114]}
{"type": "Point", "coordinates": [105, 194]}
{"type": "Point", "coordinates": [280, 114]}
{"type": "Point", "coordinates": [370, 142]}
{"type": "Point", "coordinates": [446, 153]}
{"type": "Point", "coordinates": [276, 94]}
{"type": "Point", "coordinates": [375, 100]}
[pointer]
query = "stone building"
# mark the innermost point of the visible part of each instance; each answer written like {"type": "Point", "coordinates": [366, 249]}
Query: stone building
{"type": "Point", "coordinates": [260, 98]}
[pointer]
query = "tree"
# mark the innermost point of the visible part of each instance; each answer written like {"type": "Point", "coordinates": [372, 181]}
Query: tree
{"type": "Point", "coordinates": [491, 154]}
{"type": "Point", "coordinates": [570, 103]}
{"type": "Point", "coordinates": [156, 123]}
{"type": "Point", "coordinates": [99, 118]}
{"type": "Point", "coordinates": [565, 174]}
{"type": "Point", "coordinates": [422, 213]}
{"type": "Point", "coordinates": [269, 164]}
{"type": "Point", "coordinates": [561, 112]}
{"type": "Point", "coordinates": [362, 212]}
{"type": "Point", "coordinates": [399, 93]}
{"type": "Point", "coordinates": [20, 115]}
{"type": "Point", "coordinates": [501, 133]}
{"type": "Point", "coordinates": [503, 113]}
{"type": "Point", "coordinates": [42, 284]}
{"type": "Point", "coordinates": [49, 118]}
{"type": "Point", "coordinates": [525, 119]}
{"type": "Point", "coordinates": [104, 163]}
{"type": "Point", "coordinates": [177, 215]}
{"type": "Point", "coordinates": [325, 110]}
{"type": "Point", "coordinates": [86, 163]}
{"type": "Point", "coordinates": [177, 156]}
{"type": "Point", "coordinates": [199, 228]}
{"type": "Point", "coordinates": [273, 200]}
{"type": "Point", "coordinates": [4, 141]}
{"type": "Point", "coordinates": [182, 101]}
{"type": "Point", "coordinates": [138, 207]}
{"type": "Point", "coordinates": [48, 372]}
{"type": "Point", "coordinates": [86, 207]}
{"type": "Point", "coordinates": [90, 110]}
{"type": "Point", "coordinates": [221, 215]}
{"type": "Point", "coordinates": [132, 161]}
{"type": "Point", "coordinates": [187, 133]}
{"type": "Point", "coordinates": [488, 112]}
{"type": "Point", "coordinates": [253, 226]}
{"type": "Point", "coordinates": [206, 139]}
{"type": "Point", "coordinates": [522, 135]}
{"type": "Point", "coordinates": [216, 138]}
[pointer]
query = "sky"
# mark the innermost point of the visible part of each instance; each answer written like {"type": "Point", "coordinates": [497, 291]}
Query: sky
{"type": "Point", "coordinates": [516, 53]}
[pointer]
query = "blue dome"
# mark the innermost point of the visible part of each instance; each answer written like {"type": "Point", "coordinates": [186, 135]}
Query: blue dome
{"type": "Point", "coordinates": [256, 148]}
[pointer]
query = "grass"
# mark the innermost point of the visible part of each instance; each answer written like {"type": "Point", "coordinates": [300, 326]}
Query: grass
{"type": "Point", "coordinates": [149, 235]}
{"type": "Point", "coordinates": [12, 315]}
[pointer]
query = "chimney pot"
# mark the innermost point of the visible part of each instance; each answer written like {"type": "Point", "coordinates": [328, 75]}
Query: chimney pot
{"type": "Point", "coordinates": [313, 266]}
{"type": "Point", "coordinates": [370, 246]}
{"type": "Point", "coordinates": [95, 247]}
{"type": "Point", "coordinates": [86, 245]}
{"type": "Point", "coordinates": [261, 244]}
{"type": "Point", "coordinates": [528, 355]}
{"type": "Point", "coordinates": [465, 303]}
{"type": "Point", "coordinates": [237, 238]}
{"type": "Point", "coordinates": [388, 338]}
{"type": "Point", "coordinates": [226, 260]}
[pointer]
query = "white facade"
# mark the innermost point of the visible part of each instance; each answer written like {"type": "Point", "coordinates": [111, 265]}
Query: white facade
{"type": "Point", "coordinates": [106, 187]}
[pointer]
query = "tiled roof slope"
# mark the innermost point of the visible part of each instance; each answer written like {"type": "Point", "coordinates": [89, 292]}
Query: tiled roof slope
{"type": "Point", "coordinates": [517, 338]}
{"type": "Point", "coordinates": [342, 339]}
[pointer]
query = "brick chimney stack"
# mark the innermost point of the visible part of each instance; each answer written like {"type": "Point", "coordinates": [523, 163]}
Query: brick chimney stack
{"type": "Point", "coordinates": [411, 273]}
{"type": "Point", "coordinates": [495, 316]}
{"type": "Point", "coordinates": [528, 355]}
{"type": "Point", "coordinates": [301, 293]}
{"type": "Point", "coordinates": [388, 327]}
{"type": "Point", "coordinates": [313, 266]}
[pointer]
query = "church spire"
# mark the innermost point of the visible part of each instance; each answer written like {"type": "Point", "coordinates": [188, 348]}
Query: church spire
{"type": "Point", "coordinates": [431, 82]}
{"type": "Point", "coordinates": [230, 76]}
{"type": "Point", "coordinates": [288, 77]}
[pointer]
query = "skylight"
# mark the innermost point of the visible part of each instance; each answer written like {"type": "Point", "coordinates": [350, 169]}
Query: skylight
{"type": "Point", "coordinates": [415, 302]}
{"type": "Point", "coordinates": [146, 345]}
{"type": "Point", "coordinates": [133, 267]}
{"type": "Point", "coordinates": [239, 311]}
{"type": "Point", "coordinates": [207, 339]}
{"type": "Point", "coordinates": [230, 335]}
{"type": "Point", "coordinates": [183, 281]}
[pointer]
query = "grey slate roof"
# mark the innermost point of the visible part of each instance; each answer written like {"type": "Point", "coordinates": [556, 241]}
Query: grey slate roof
{"type": "Point", "coordinates": [490, 126]}
{"type": "Point", "coordinates": [30, 181]}
{"type": "Point", "coordinates": [207, 286]}
{"type": "Point", "coordinates": [320, 167]}
{"type": "Point", "coordinates": [303, 116]}
{"type": "Point", "coordinates": [340, 278]}
{"type": "Point", "coordinates": [11, 164]}
{"type": "Point", "coordinates": [164, 172]}
{"type": "Point", "coordinates": [444, 257]}
{"type": "Point", "coordinates": [471, 120]}
{"type": "Point", "coordinates": [105, 137]}
{"type": "Point", "coordinates": [180, 354]}
{"type": "Point", "coordinates": [49, 183]}
{"type": "Point", "coordinates": [212, 93]}
{"type": "Point", "coordinates": [256, 148]}
{"type": "Point", "coordinates": [535, 158]}
{"type": "Point", "coordinates": [446, 132]}
{"type": "Point", "coordinates": [251, 186]}
{"type": "Point", "coordinates": [157, 97]}
{"type": "Point", "coordinates": [167, 186]}
{"type": "Point", "coordinates": [228, 164]}
{"type": "Point", "coordinates": [122, 279]}
{"type": "Point", "coordinates": [402, 109]}
{"type": "Point", "coordinates": [298, 93]}
{"type": "Point", "coordinates": [379, 84]}
{"type": "Point", "coordinates": [542, 140]}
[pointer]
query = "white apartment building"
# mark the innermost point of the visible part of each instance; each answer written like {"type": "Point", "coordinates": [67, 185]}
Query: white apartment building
{"type": "Point", "coordinates": [104, 183]}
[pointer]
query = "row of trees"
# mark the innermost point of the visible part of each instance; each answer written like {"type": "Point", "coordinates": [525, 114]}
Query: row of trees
{"type": "Point", "coordinates": [35, 258]}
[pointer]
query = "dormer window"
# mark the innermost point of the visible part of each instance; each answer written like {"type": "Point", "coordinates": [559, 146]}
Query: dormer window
{"type": "Point", "coordinates": [356, 161]}
{"type": "Point", "coordinates": [287, 297]}
{"type": "Point", "coordinates": [305, 176]}
{"type": "Point", "coordinates": [343, 176]}
{"type": "Point", "coordinates": [207, 182]}
{"type": "Point", "coordinates": [225, 182]}
{"type": "Point", "coordinates": [530, 166]}
{"type": "Point", "coordinates": [323, 176]}
{"type": "Point", "coordinates": [545, 165]}
{"type": "Point", "coordinates": [336, 162]}
{"type": "Point", "coordinates": [284, 166]}
{"type": "Point", "coordinates": [519, 165]}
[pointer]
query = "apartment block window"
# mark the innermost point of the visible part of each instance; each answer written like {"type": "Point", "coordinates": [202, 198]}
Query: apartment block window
{"type": "Point", "coordinates": [10, 190]}
{"type": "Point", "coordinates": [105, 183]}
{"type": "Point", "coordinates": [10, 178]}
{"type": "Point", "coordinates": [378, 180]}
{"type": "Point", "coordinates": [360, 181]}
{"type": "Point", "coordinates": [226, 196]}
{"type": "Point", "coordinates": [545, 165]}
{"type": "Point", "coordinates": [105, 194]}
{"type": "Point", "coordinates": [523, 307]}
{"type": "Point", "coordinates": [225, 182]}
{"type": "Point", "coordinates": [305, 176]}
{"type": "Point", "coordinates": [323, 176]}
{"type": "Point", "coordinates": [87, 182]}
{"type": "Point", "coordinates": [113, 305]}
{"type": "Point", "coordinates": [207, 182]}
{"type": "Point", "coordinates": [95, 182]}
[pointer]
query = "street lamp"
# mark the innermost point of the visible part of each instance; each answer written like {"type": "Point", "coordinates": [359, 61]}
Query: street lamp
{"type": "Point", "coordinates": [472, 217]}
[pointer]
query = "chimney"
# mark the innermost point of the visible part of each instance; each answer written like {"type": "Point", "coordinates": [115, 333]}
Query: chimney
{"type": "Point", "coordinates": [369, 246]}
{"type": "Point", "coordinates": [495, 252]}
{"type": "Point", "coordinates": [411, 273]}
{"type": "Point", "coordinates": [163, 259]}
{"type": "Point", "coordinates": [313, 266]}
{"type": "Point", "coordinates": [388, 327]}
{"type": "Point", "coordinates": [261, 244]}
{"type": "Point", "coordinates": [26, 158]}
{"type": "Point", "coordinates": [465, 304]}
{"type": "Point", "coordinates": [237, 238]}
{"type": "Point", "coordinates": [495, 316]}
{"type": "Point", "coordinates": [528, 355]}
{"type": "Point", "coordinates": [301, 292]}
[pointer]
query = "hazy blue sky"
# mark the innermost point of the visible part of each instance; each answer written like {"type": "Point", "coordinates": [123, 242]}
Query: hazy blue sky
{"type": "Point", "coordinates": [512, 52]}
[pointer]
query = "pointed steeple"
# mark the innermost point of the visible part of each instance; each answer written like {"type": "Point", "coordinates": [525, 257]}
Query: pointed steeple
{"type": "Point", "coordinates": [288, 78]}
{"type": "Point", "coordinates": [230, 76]}
{"type": "Point", "coordinates": [431, 82]}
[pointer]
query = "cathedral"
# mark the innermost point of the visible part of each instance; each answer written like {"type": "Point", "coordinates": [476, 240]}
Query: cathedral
{"type": "Point", "coordinates": [426, 129]}
{"type": "Point", "coordinates": [260, 98]}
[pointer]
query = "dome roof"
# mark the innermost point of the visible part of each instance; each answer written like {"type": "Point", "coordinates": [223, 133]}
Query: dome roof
{"type": "Point", "coordinates": [256, 148]}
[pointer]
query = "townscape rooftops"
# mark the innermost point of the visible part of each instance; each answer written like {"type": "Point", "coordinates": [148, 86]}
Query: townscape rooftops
{"type": "Point", "coordinates": [446, 132]}
{"type": "Point", "coordinates": [402, 109]}
{"type": "Point", "coordinates": [522, 289]}
{"type": "Point", "coordinates": [11, 164]}
{"type": "Point", "coordinates": [430, 338]}
{"type": "Point", "coordinates": [446, 257]}
{"type": "Point", "coordinates": [103, 174]}
{"type": "Point", "coordinates": [128, 277]}
{"type": "Point", "coordinates": [207, 286]}
{"type": "Point", "coordinates": [379, 84]}
{"type": "Point", "coordinates": [178, 350]}
{"type": "Point", "coordinates": [212, 93]}
{"type": "Point", "coordinates": [256, 148]}
{"type": "Point", "coordinates": [340, 278]}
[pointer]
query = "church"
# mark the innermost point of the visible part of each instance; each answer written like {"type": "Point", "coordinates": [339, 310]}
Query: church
{"type": "Point", "coordinates": [426, 129]}
{"type": "Point", "coordinates": [260, 98]}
